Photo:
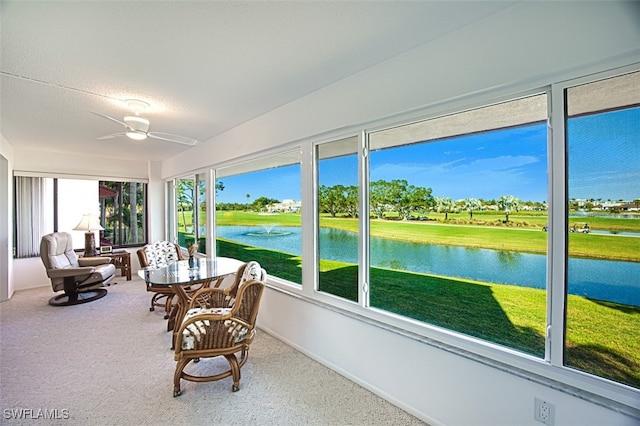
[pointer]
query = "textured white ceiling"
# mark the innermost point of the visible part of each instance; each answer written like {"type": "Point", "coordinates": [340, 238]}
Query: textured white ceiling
{"type": "Point", "coordinates": [204, 67]}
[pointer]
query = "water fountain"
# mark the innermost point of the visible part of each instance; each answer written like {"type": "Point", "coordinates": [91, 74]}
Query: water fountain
{"type": "Point", "coordinates": [268, 230]}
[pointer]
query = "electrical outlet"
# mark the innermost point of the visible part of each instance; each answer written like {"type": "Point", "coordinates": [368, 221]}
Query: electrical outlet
{"type": "Point", "coordinates": [543, 411]}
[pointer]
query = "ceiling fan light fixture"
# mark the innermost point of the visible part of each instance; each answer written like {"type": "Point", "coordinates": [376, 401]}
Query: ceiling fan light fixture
{"type": "Point", "coordinates": [135, 135]}
{"type": "Point", "coordinates": [137, 127]}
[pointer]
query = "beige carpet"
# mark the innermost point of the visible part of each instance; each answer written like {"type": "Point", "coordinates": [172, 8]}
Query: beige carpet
{"type": "Point", "coordinates": [108, 362]}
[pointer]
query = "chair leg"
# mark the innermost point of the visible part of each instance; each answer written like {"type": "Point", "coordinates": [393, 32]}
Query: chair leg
{"type": "Point", "coordinates": [167, 306]}
{"type": "Point", "coordinates": [153, 306]}
{"type": "Point", "coordinates": [235, 371]}
{"type": "Point", "coordinates": [178, 375]}
{"type": "Point", "coordinates": [154, 301]}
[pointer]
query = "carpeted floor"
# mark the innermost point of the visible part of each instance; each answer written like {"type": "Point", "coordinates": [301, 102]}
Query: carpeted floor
{"type": "Point", "coordinates": [108, 362]}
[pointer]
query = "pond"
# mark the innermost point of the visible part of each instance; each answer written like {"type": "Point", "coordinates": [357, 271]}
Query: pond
{"type": "Point", "coordinates": [596, 279]}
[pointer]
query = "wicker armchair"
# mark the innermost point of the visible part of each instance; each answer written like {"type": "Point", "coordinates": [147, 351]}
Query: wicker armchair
{"type": "Point", "coordinates": [226, 298]}
{"type": "Point", "coordinates": [218, 331]}
{"type": "Point", "coordinates": [156, 255]}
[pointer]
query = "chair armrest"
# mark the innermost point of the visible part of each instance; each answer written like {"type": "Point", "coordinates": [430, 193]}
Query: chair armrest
{"type": "Point", "coordinates": [93, 261]}
{"type": "Point", "coordinates": [224, 330]}
{"type": "Point", "coordinates": [210, 297]}
{"type": "Point", "coordinates": [70, 272]}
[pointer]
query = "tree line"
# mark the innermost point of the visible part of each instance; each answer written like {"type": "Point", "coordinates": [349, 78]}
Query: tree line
{"type": "Point", "coordinates": [385, 197]}
{"type": "Point", "coordinates": [408, 201]}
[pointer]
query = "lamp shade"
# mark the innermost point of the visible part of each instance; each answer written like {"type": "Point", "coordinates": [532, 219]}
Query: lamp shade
{"type": "Point", "coordinates": [88, 222]}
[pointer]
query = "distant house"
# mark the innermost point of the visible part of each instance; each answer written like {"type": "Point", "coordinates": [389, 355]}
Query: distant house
{"type": "Point", "coordinates": [285, 206]}
{"type": "Point", "coordinates": [629, 207]}
{"type": "Point", "coordinates": [619, 206]}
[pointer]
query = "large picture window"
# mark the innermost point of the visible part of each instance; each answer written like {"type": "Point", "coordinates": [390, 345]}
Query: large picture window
{"type": "Point", "coordinates": [258, 210]}
{"type": "Point", "coordinates": [44, 205]}
{"type": "Point", "coordinates": [467, 225]}
{"type": "Point", "coordinates": [458, 212]}
{"type": "Point", "coordinates": [603, 266]}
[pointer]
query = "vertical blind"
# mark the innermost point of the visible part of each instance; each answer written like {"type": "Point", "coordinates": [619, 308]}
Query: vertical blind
{"type": "Point", "coordinates": [29, 202]}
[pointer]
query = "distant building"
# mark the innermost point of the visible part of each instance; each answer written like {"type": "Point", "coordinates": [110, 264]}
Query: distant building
{"type": "Point", "coordinates": [285, 206]}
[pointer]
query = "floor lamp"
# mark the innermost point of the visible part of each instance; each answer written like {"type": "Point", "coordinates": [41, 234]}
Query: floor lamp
{"type": "Point", "coordinates": [89, 223]}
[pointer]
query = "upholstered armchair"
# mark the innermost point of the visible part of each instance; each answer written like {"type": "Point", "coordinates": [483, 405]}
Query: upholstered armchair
{"type": "Point", "coordinates": [81, 279]}
{"type": "Point", "coordinates": [217, 331]}
{"type": "Point", "coordinates": [157, 255]}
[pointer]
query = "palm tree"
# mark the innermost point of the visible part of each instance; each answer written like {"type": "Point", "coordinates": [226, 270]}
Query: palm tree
{"type": "Point", "coordinates": [471, 204]}
{"type": "Point", "coordinates": [133, 213]}
{"type": "Point", "coordinates": [507, 203]}
{"type": "Point", "coordinates": [444, 205]}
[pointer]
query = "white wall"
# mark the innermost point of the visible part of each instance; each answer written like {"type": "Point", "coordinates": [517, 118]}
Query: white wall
{"type": "Point", "coordinates": [526, 47]}
{"type": "Point", "coordinates": [29, 273]}
{"type": "Point", "coordinates": [156, 203]}
{"type": "Point", "coordinates": [75, 165]}
{"type": "Point", "coordinates": [6, 219]}
{"type": "Point", "coordinates": [436, 386]}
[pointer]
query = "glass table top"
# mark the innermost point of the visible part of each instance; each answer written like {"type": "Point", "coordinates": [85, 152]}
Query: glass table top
{"type": "Point", "coordinates": [179, 273]}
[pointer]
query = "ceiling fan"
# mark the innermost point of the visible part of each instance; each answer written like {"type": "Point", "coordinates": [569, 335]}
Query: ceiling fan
{"type": "Point", "coordinates": [137, 127]}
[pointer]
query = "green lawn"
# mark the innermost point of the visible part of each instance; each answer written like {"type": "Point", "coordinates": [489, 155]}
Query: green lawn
{"type": "Point", "coordinates": [518, 239]}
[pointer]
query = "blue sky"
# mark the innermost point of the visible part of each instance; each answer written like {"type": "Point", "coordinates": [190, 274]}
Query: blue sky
{"type": "Point", "coordinates": [604, 153]}
{"type": "Point", "coordinates": [486, 165]}
{"type": "Point", "coordinates": [604, 156]}
{"type": "Point", "coordinates": [280, 183]}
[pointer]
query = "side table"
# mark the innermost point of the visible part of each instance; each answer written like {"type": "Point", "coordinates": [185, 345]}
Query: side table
{"type": "Point", "coordinates": [121, 259]}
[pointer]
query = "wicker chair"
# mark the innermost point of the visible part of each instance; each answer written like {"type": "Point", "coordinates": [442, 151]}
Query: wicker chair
{"type": "Point", "coordinates": [218, 331]}
{"type": "Point", "coordinates": [209, 295]}
{"type": "Point", "coordinates": [226, 298]}
{"type": "Point", "coordinates": [156, 255]}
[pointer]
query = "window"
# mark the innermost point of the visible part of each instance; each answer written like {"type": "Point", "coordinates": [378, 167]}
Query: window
{"type": "Point", "coordinates": [603, 265]}
{"type": "Point", "coordinates": [75, 198]}
{"type": "Point", "coordinates": [122, 213]}
{"type": "Point", "coordinates": [338, 204]}
{"type": "Point", "coordinates": [458, 208]}
{"type": "Point", "coordinates": [190, 217]}
{"type": "Point", "coordinates": [44, 205]}
{"type": "Point", "coordinates": [258, 214]}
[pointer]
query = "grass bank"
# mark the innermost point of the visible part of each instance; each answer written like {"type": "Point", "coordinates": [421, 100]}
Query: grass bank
{"type": "Point", "coordinates": [526, 240]}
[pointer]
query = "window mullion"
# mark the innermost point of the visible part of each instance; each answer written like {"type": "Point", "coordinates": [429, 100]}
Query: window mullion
{"type": "Point", "coordinates": [557, 244]}
{"type": "Point", "coordinates": [211, 212]}
{"type": "Point", "coordinates": [363, 224]}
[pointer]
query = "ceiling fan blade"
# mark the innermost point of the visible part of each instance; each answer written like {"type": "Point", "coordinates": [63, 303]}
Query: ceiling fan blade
{"type": "Point", "coordinates": [109, 118]}
{"type": "Point", "coordinates": [173, 138]}
{"type": "Point", "coordinates": [111, 136]}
